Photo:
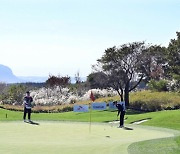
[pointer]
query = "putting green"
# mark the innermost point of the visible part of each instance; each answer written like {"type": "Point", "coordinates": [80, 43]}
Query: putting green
{"type": "Point", "coordinates": [66, 137]}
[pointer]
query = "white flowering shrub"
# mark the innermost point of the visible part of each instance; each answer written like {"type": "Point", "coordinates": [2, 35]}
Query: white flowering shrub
{"type": "Point", "coordinates": [173, 85]}
{"type": "Point", "coordinates": [99, 93]}
{"type": "Point", "coordinates": [58, 95]}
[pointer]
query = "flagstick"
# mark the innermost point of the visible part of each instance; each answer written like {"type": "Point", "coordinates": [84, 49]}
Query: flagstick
{"type": "Point", "coordinates": [90, 119]}
{"type": "Point", "coordinates": [92, 98]}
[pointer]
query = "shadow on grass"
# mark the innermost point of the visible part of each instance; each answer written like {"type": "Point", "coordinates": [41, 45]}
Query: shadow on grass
{"type": "Point", "coordinates": [32, 122]}
{"type": "Point", "coordinates": [127, 128]}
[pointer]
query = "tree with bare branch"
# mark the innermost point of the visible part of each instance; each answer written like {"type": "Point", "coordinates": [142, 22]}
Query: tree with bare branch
{"type": "Point", "coordinates": [125, 67]}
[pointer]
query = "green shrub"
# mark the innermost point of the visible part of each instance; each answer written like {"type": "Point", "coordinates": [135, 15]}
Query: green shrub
{"type": "Point", "coordinates": [66, 109]}
{"type": "Point", "coordinates": [161, 85]}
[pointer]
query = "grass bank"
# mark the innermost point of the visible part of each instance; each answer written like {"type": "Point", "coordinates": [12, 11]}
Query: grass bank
{"type": "Point", "coordinates": [165, 119]}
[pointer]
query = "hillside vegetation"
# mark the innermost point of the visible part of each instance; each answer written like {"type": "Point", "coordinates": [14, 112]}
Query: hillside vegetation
{"type": "Point", "coordinates": [155, 101]}
{"type": "Point", "coordinates": [142, 101]}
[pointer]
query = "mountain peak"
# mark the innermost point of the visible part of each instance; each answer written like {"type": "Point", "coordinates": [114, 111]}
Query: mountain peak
{"type": "Point", "coordinates": [5, 70]}
{"type": "Point", "coordinates": [7, 76]}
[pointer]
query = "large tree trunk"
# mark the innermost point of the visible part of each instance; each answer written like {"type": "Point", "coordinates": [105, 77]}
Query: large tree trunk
{"type": "Point", "coordinates": [126, 98]}
{"type": "Point", "coordinates": [126, 94]}
{"type": "Point", "coordinates": [121, 96]}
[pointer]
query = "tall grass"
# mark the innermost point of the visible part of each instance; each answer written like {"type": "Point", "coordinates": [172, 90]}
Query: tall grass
{"type": "Point", "coordinates": [154, 101]}
{"type": "Point", "coordinates": [141, 100]}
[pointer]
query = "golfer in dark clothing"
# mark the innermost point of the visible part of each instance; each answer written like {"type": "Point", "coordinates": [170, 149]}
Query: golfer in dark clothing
{"type": "Point", "coordinates": [121, 109]}
{"type": "Point", "coordinates": [27, 106]}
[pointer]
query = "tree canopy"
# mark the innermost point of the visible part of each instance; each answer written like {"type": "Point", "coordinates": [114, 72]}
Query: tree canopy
{"type": "Point", "coordinates": [173, 56]}
{"type": "Point", "coordinates": [126, 66]}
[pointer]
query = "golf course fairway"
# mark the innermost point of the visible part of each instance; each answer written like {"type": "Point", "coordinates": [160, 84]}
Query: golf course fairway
{"type": "Point", "coordinates": [48, 137]}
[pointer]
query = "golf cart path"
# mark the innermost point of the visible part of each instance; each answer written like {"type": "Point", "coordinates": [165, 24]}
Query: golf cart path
{"type": "Point", "coordinates": [73, 137]}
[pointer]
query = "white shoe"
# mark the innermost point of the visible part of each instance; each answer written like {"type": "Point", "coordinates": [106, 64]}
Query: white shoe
{"type": "Point", "coordinates": [120, 126]}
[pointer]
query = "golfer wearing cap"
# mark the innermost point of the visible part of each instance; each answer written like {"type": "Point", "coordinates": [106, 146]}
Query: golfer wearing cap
{"type": "Point", "coordinates": [27, 106]}
{"type": "Point", "coordinates": [121, 110]}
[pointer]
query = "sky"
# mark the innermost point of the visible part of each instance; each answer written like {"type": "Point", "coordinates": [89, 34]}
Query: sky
{"type": "Point", "coordinates": [63, 37]}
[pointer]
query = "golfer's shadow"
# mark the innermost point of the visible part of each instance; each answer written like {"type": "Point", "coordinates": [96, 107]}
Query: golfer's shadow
{"type": "Point", "coordinates": [127, 128]}
{"type": "Point", "coordinates": [32, 122]}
